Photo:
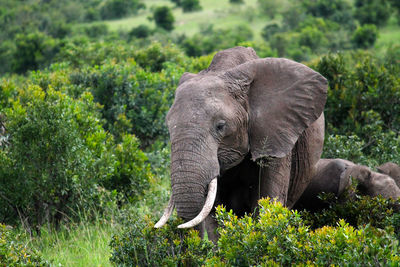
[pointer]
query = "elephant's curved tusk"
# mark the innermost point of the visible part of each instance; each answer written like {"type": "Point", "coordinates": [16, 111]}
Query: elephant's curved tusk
{"type": "Point", "coordinates": [208, 205]}
{"type": "Point", "coordinates": [167, 213]}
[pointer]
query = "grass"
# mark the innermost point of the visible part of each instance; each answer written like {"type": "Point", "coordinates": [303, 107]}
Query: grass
{"type": "Point", "coordinates": [388, 36]}
{"type": "Point", "coordinates": [85, 244]}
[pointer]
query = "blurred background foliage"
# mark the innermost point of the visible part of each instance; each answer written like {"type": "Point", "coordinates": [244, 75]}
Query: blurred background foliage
{"type": "Point", "coordinates": [84, 90]}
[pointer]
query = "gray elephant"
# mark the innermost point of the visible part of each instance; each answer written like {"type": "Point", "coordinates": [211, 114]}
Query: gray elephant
{"type": "Point", "coordinates": [391, 169]}
{"type": "Point", "coordinates": [329, 178]}
{"type": "Point", "coordinates": [373, 183]}
{"type": "Point", "coordinates": [334, 176]}
{"type": "Point", "coordinates": [243, 129]}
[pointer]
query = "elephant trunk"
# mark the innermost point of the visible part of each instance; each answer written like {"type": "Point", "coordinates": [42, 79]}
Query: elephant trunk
{"type": "Point", "coordinates": [193, 166]}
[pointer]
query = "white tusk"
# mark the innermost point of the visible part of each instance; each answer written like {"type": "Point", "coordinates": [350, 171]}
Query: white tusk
{"type": "Point", "coordinates": [167, 213]}
{"type": "Point", "coordinates": [208, 205]}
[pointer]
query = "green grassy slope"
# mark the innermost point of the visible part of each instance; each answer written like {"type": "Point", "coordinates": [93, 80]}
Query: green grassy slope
{"type": "Point", "coordinates": [222, 14]}
{"type": "Point", "coordinates": [218, 12]}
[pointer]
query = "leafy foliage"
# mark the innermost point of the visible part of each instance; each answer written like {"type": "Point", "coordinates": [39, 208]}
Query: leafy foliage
{"type": "Point", "coordinates": [276, 236]}
{"type": "Point", "coordinates": [279, 236]}
{"type": "Point", "coordinates": [112, 9]}
{"type": "Point", "coordinates": [365, 36]}
{"type": "Point", "coordinates": [362, 109]}
{"type": "Point", "coordinates": [210, 39]}
{"type": "Point", "coordinates": [190, 5]}
{"type": "Point", "coordinates": [133, 99]}
{"type": "Point", "coordinates": [141, 31]}
{"type": "Point", "coordinates": [33, 50]}
{"type": "Point", "coordinates": [141, 244]}
{"type": "Point", "coordinates": [372, 11]}
{"type": "Point", "coordinates": [356, 210]}
{"type": "Point", "coordinates": [164, 18]}
{"type": "Point", "coordinates": [51, 160]}
{"type": "Point", "coordinates": [13, 252]}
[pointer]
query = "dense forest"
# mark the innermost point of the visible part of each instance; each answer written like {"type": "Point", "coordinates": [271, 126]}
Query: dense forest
{"type": "Point", "coordinates": [84, 150]}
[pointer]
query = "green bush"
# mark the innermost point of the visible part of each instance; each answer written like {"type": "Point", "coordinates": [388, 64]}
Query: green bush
{"type": "Point", "coordinates": [141, 31]}
{"type": "Point", "coordinates": [344, 147]}
{"type": "Point", "coordinates": [210, 40]}
{"type": "Point", "coordinates": [190, 5]}
{"type": "Point", "coordinates": [54, 158]}
{"type": "Point", "coordinates": [96, 30]}
{"type": "Point", "coordinates": [164, 18]}
{"type": "Point", "coordinates": [112, 9]}
{"type": "Point", "coordinates": [372, 11]}
{"type": "Point", "coordinates": [142, 245]}
{"type": "Point", "coordinates": [363, 91]}
{"type": "Point", "coordinates": [365, 36]}
{"type": "Point", "coordinates": [131, 170]}
{"type": "Point", "coordinates": [276, 236]}
{"type": "Point", "coordinates": [33, 51]}
{"type": "Point", "coordinates": [13, 251]}
{"type": "Point", "coordinates": [134, 100]}
{"type": "Point", "coordinates": [269, 30]}
{"type": "Point", "coordinates": [268, 7]}
{"type": "Point", "coordinates": [279, 237]}
{"type": "Point", "coordinates": [356, 210]}
{"type": "Point", "coordinates": [236, 1]}
{"type": "Point", "coordinates": [336, 10]}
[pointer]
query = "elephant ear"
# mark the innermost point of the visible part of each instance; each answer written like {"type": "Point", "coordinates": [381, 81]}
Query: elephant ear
{"type": "Point", "coordinates": [284, 98]}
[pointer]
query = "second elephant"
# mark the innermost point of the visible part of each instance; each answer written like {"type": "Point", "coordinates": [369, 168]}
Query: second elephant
{"type": "Point", "coordinates": [334, 176]}
{"type": "Point", "coordinates": [391, 169]}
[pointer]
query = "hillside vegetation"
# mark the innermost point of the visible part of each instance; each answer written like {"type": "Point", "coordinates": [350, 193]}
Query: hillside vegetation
{"type": "Point", "coordinates": [84, 151]}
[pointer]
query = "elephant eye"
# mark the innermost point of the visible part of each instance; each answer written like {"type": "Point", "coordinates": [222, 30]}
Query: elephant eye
{"type": "Point", "coordinates": [220, 127]}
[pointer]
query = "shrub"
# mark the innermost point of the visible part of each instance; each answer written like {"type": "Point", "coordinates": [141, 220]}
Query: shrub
{"type": "Point", "coordinates": [154, 56]}
{"type": "Point", "coordinates": [131, 170]}
{"type": "Point", "coordinates": [210, 40]}
{"type": "Point", "coordinates": [96, 30]}
{"type": "Point", "coordinates": [276, 236]}
{"type": "Point", "coordinates": [134, 100]}
{"type": "Point", "coordinates": [344, 147]}
{"type": "Point", "coordinates": [268, 7]}
{"type": "Point", "coordinates": [142, 245]}
{"type": "Point", "coordinates": [141, 31]}
{"type": "Point", "coordinates": [358, 84]}
{"type": "Point", "coordinates": [279, 237]}
{"type": "Point", "coordinates": [13, 252]}
{"type": "Point", "coordinates": [190, 5]}
{"type": "Point", "coordinates": [33, 51]}
{"type": "Point", "coordinates": [164, 18]}
{"type": "Point", "coordinates": [365, 36]}
{"type": "Point", "coordinates": [372, 11]}
{"type": "Point", "coordinates": [336, 10]}
{"type": "Point", "coordinates": [55, 157]}
{"type": "Point", "coordinates": [113, 9]}
{"type": "Point", "coordinates": [356, 210]}
{"type": "Point", "coordinates": [269, 30]}
{"type": "Point", "coordinates": [236, 1]}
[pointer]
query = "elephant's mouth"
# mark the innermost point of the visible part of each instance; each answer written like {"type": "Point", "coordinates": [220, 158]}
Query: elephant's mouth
{"type": "Point", "coordinates": [207, 207]}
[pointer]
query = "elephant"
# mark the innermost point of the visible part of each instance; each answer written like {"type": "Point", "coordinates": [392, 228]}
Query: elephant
{"type": "Point", "coordinates": [334, 176]}
{"type": "Point", "coordinates": [329, 178]}
{"type": "Point", "coordinates": [243, 129]}
{"type": "Point", "coordinates": [391, 169]}
{"type": "Point", "coordinates": [373, 183]}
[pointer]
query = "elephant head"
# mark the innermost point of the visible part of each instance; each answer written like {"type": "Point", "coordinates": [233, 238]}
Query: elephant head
{"type": "Point", "coordinates": [373, 183]}
{"type": "Point", "coordinates": [391, 169]}
{"type": "Point", "coordinates": [240, 106]}
{"type": "Point", "coordinates": [329, 178]}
